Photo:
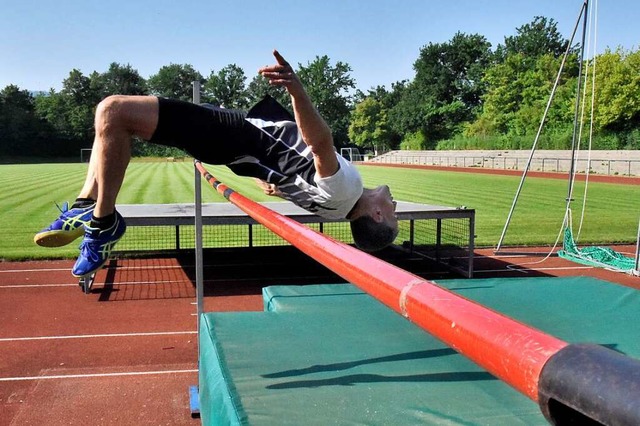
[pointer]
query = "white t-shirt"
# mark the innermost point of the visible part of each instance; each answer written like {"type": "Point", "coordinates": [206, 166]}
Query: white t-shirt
{"type": "Point", "coordinates": [332, 197]}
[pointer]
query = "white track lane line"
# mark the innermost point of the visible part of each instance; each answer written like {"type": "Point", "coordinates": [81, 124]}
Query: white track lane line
{"type": "Point", "coordinates": [36, 285]}
{"type": "Point", "coordinates": [93, 336]}
{"type": "Point", "coordinates": [97, 282]}
{"type": "Point", "coordinates": [126, 268]}
{"type": "Point", "coordinates": [83, 376]}
{"type": "Point", "coordinates": [17, 271]}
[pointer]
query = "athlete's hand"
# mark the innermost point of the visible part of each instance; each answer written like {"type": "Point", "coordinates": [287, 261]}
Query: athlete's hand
{"type": "Point", "coordinates": [281, 74]}
{"type": "Point", "coordinates": [269, 188]}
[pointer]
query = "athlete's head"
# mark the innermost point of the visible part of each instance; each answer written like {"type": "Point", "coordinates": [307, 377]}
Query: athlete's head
{"type": "Point", "coordinates": [374, 224]}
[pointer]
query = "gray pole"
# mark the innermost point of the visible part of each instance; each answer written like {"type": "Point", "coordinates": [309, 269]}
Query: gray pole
{"type": "Point", "coordinates": [194, 391]}
{"type": "Point", "coordinates": [576, 120]}
{"type": "Point", "coordinates": [198, 226]}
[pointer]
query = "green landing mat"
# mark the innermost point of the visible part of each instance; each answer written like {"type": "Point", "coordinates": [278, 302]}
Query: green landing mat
{"type": "Point", "coordinates": [330, 354]}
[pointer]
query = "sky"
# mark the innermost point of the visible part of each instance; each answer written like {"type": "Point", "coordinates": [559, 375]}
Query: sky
{"type": "Point", "coordinates": [42, 41]}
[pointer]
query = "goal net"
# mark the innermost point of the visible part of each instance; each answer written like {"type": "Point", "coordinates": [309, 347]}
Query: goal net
{"type": "Point", "coordinates": [85, 155]}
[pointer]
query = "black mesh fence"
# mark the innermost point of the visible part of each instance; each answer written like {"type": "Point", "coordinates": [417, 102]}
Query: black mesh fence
{"type": "Point", "coordinates": [445, 240]}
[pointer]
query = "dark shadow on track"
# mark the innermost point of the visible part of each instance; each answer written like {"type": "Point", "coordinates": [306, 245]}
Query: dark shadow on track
{"type": "Point", "coordinates": [107, 289]}
{"type": "Point", "coordinates": [246, 270]}
{"type": "Point", "coordinates": [240, 271]}
{"type": "Point", "coordinates": [516, 266]}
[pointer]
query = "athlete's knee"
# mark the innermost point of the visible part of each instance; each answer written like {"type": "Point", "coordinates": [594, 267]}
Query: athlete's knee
{"type": "Point", "coordinates": [110, 113]}
{"type": "Point", "coordinates": [131, 115]}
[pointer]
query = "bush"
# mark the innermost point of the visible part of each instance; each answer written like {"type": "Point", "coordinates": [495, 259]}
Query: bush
{"type": "Point", "coordinates": [142, 148]}
{"type": "Point", "coordinates": [414, 142]}
{"type": "Point", "coordinates": [552, 139]}
{"type": "Point", "coordinates": [606, 141]}
{"type": "Point", "coordinates": [632, 140]}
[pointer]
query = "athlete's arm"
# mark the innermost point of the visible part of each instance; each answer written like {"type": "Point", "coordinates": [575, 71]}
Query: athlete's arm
{"type": "Point", "coordinates": [314, 130]}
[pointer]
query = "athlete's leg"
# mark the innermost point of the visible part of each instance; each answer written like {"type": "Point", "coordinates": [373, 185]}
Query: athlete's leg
{"type": "Point", "coordinates": [118, 119]}
{"type": "Point", "coordinates": [210, 134]}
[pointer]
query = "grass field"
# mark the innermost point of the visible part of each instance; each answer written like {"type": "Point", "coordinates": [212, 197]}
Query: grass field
{"type": "Point", "coordinates": [28, 193]}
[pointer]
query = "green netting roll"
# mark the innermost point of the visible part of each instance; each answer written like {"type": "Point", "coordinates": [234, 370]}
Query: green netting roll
{"type": "Point", "coordinates": [602, 257]}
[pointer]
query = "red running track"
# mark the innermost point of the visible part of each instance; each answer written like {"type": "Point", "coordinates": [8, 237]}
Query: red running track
{"type": "Point", "coordinates": [107, 358]}
{"type": "Point", "coordinates": [125, 354]}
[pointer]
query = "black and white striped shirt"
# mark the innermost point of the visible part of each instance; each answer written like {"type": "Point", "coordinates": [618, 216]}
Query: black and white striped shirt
{"type": "Point", "coordinates": [289, 166]}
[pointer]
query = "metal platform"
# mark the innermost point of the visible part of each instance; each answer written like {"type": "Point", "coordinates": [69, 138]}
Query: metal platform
{"type": "Point", "coordinates": [219, 214]}
{"type": "Point", "coordinates": [228, 214]}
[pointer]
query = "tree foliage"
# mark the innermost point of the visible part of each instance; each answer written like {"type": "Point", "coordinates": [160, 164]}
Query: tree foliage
{"type": "Point", "coordinates": [227, 88]}
{"type": "Point", "coordinates": [617, 86]}
{"type": "Point", "coordinates": [174, 81]}
{"type": "Point", "coordinates": [328, 88]}
{"type": "Point", "coordinates": [369, 127]}
{"type": "Point", "coordinates": [259, 87]}
{"type": "Point", "coordinates": [463, 94]}
{"type": "Point", "coordinates": [537, 38]}
{"type": "Point", "coordinates": [118, 80]}
{"type": "Point", "coordinates": [20, 128]}
{"type": "Point", "coordinates": [447, 88]}
{"type": "Point", "coordinates": [517, 94]}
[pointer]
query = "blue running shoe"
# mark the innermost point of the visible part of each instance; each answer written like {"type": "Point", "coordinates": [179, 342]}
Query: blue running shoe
{"type": "Point", "coordinates": [96, 247]}
{"type": "Point", "coordinates": [66, 228]}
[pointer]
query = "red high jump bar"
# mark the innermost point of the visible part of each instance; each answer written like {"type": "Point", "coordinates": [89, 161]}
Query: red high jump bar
{"type": "Point", "coordinates": [508, 349]}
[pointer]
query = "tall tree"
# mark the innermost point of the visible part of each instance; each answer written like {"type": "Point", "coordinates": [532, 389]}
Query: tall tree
{"type": "Point", "coordinates": [518, 91]}
{"type": "Point", "coordinates": [453, 71]}
{"type": "Point", "coordinates": [227, 88]}
{"type": "Point", "coordinates": [259, 87]}
{"type": "Point", "coordinates": [23, 132]}
{"type": "Point", "coordinates": [538, 37]}
{"type": "Point", "coordinates": [79, 100]}
{"type": "Point", "coordinates": [369, 127]}
{"type": "Point", "coordinates": [70, 112]}
{"type": "Point", "coordinates": [328, 87]}
{"type": "Point", "coordinates": [118, 80]}
{"type": "Point", "coordinates": [447, 88]}
{"type": "Point", "coordinates": [174, 81]}
{"type": "Point", "coordinates": [617, 85]}
{"type": "Point", "coordinates": [16, 119]}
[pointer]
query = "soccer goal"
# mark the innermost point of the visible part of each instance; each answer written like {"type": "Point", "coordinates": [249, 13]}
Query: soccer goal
{"type": "Point", "coordinates": [351, 154]}
{"type": "Point", "coordinates": [85, 155]}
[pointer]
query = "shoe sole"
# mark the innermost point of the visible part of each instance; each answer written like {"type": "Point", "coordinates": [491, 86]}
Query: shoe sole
{"type": "Point", "coordinates": [57, 238]}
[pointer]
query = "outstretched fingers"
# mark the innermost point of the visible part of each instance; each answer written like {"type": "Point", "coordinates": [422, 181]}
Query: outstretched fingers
{"type": "Point", "coordinates": [280, 74]}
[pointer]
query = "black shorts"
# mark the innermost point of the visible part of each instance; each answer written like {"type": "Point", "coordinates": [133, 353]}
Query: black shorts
{"type": "Point", "coordinates": [210, 134]}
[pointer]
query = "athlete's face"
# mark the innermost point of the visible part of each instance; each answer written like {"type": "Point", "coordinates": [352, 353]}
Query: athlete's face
{"type": "Point", "coordinates": [386, 204]}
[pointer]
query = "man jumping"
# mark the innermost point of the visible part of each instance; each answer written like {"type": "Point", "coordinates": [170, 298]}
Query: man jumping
{"type": "Point", "coordinates": [292, 157]}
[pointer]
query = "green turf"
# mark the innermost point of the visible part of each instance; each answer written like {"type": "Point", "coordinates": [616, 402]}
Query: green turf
{"type": "Point", "coordinates": [612, 211]}
{"type": "Point", "coordinates": [28, 193]}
